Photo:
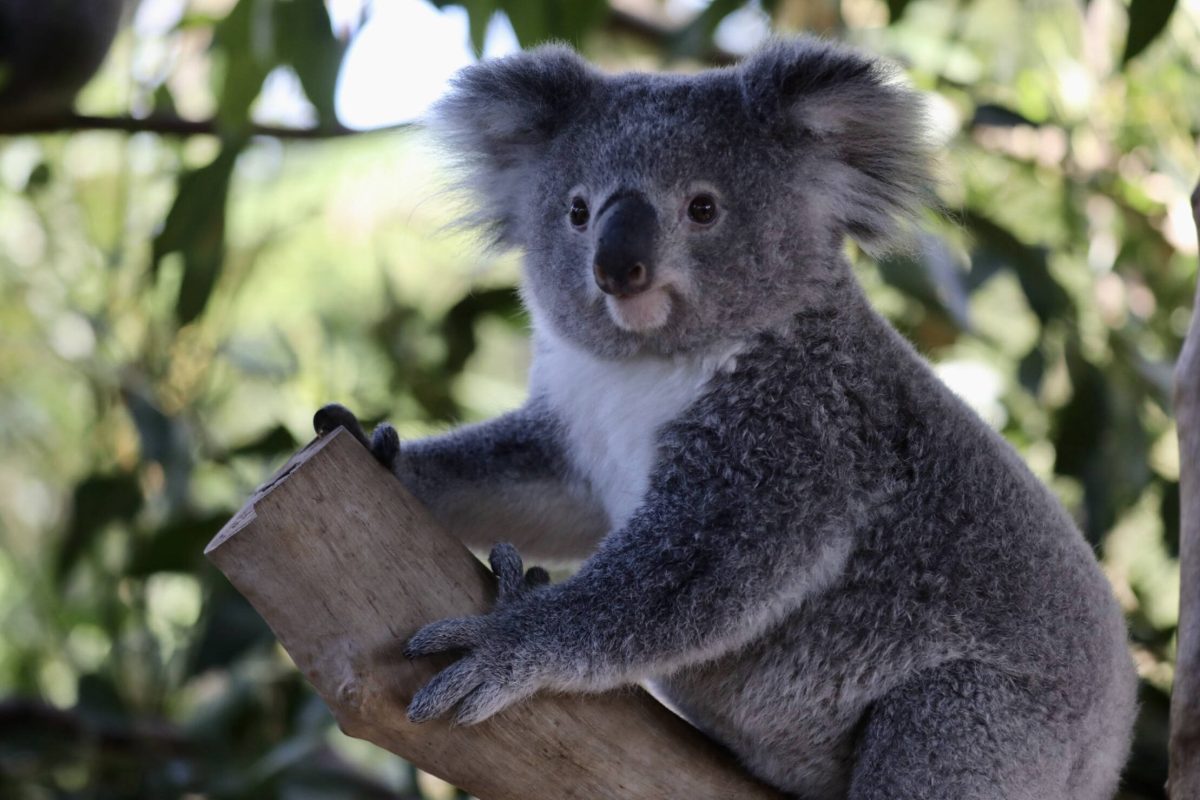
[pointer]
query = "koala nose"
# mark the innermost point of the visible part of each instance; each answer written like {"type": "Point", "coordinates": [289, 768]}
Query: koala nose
{"type": "Point", "coordinates": [625, 245]}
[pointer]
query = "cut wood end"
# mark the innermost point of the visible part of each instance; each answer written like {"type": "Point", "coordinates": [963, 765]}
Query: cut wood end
{"type": "Point", "coordinates": [240, 520]}
{"type": "Point", "coordinates": [248, 514]}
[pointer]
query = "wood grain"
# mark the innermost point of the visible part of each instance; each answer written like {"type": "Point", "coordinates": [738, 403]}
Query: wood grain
{"type": "Point", "coordinates": [344, 566]}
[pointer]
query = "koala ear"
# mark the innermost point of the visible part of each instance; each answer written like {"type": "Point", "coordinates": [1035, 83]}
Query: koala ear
{"type": "Point", "coordinates": [498, 116]}
{"type": "Point", "coordinates": [869, 128]}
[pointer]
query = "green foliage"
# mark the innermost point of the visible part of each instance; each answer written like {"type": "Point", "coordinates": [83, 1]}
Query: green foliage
{"type": "Point", "coordinates": [174, 310]}
{"type": "Point", "coordinates": [1147, 19]}
{"type": "Point", "coordinates": [533, 21]}
{"type": "Point", "coordinates": [195, 228]}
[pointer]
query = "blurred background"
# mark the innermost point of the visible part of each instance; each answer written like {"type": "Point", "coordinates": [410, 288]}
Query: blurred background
{"type": "Point", "coordinates": [237, 219]}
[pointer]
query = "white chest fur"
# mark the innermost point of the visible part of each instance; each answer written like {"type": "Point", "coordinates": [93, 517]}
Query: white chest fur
{"type": "Point", "coordinates": [613, 410]}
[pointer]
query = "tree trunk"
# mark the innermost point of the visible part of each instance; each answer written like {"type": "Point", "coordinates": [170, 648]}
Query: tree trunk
{"type": "Point", "coordinates": [1184, 782]}
{"type": "Point", "coordinates": [345, 565]}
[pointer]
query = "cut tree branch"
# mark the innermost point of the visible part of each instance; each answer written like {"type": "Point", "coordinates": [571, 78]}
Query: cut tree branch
{"type": "Point", "coordinates": [168, 125]}
{"type": "Point", "coordinates": [1184, 781]}
{"type": "Point", "coordinates": [345, 565]}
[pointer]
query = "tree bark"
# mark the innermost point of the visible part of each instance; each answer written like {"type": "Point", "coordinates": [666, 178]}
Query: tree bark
{"type": "Point", "coordinates": [344, 565]}
{"type": "Point", "coordinates": [1184, 781]}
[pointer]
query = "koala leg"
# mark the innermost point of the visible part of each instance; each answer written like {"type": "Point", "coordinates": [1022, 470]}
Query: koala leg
{"type": "Point", "coordinates": [508, 478]}
{"type": "Point", "coordinates": [964, 732]}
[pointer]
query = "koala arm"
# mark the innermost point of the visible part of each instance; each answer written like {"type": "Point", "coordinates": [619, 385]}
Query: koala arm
{"type": "Point", "coordinates": [507, 478]}
{"type": "Point", "coordinates": [708, 563]}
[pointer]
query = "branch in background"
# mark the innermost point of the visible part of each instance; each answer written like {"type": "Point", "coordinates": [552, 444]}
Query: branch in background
{"type": "Point", "coordinates": [24, 718]}
{"type": "Point", "coordinates": [1184, 782]}
{"type": "Point", "coordinates": [169, 126]}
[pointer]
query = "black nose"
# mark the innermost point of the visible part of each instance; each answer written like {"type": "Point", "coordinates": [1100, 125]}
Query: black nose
{"type": "Point", "coordinates": [628, 226]}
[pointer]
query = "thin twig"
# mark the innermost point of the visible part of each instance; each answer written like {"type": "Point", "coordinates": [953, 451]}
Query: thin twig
{"type": "Point", "coordinates": [168, 125]}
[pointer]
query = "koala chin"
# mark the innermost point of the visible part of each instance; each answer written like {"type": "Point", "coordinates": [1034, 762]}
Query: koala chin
{"type": "Point", "coordinates": [641, 313]}
{"type": "Point", "coordinates": [812, 548]}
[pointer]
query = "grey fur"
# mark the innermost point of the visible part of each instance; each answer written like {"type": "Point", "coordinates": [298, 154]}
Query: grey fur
{"type": "Point", "coordinates": [833, 566]}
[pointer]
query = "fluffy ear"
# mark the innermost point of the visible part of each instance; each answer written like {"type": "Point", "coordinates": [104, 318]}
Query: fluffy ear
{"type": "Point", "coordinates": [855, 109]}
{"type": "Point", "coordinates": [496, 119]}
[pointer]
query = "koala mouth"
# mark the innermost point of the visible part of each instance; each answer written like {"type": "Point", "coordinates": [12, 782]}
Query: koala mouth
{"type": "Point", "coordinates": [643, 312]}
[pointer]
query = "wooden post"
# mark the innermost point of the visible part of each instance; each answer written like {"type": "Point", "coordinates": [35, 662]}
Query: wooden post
{"type": "Point", "coordinates": [344, 565]}
{"type": "Point", "coordinates": [1184, 782]}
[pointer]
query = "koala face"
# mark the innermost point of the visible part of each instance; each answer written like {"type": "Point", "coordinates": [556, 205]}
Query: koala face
{"type": "Point", "coordinates": [665, 213]}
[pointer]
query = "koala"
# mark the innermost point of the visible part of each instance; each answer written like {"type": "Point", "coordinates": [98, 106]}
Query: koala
{"type": "Point", "coordinates": [788, 526]}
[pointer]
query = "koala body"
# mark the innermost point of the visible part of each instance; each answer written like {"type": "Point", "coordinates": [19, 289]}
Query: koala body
{"type": "Point", "coordinates": [790, 527]}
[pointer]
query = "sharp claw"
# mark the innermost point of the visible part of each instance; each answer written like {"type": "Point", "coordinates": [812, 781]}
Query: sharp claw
{"type": "Point", "coordinates": [336, 415]}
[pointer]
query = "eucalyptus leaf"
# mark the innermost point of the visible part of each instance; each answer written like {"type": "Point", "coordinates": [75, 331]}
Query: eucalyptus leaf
{"type": "Point", "coordinates": [195, 228]}
{"type": "Point", "coordinates": [305, 42]}
{"type": "Point", "coordinates": [997, 247]}
{"type": "Point", "coordinates": [1147, 20]}
{"type": "Point", "coordinates": [97, 501]}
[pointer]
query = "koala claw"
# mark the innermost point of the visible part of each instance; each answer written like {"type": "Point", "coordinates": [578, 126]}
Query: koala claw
{"type": "Point", "coordinates": [384, 443]}
{"type": "Point", "coordinates": [333, 415]}
{"type": "Point", "coordinates": [488, 678]}
{"type": "Point", "coordinates": [482, 683]}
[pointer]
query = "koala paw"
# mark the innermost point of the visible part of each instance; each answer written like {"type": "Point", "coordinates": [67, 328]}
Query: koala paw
{"type": "Point", "coordinates": [498, 667]}
{"type": "Point", "coordinates": [384, 443]}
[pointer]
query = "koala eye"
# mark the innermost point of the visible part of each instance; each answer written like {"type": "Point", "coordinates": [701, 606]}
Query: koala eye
{"type": "Point", "coordinates": [579, 212]}
{"type": "Point", "coordinates": [702, 210]}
